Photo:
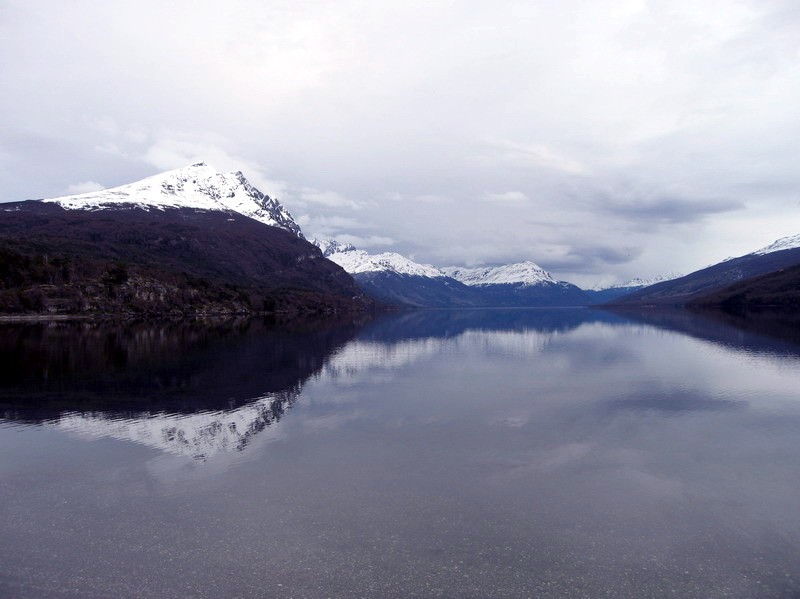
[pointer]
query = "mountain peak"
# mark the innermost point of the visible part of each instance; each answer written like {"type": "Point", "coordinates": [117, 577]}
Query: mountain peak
{"type": "Point", "coordinates": [358, 261]}
{"type": "Point", "coordinates": [198, 186]}
{"type": "Point", "coordinates": [524, 273]}
{"type": "Point", "coordinates": [331, 246]}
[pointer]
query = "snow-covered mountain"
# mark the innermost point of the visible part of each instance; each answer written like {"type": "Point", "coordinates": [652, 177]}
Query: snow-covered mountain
{"type": "Point", "coordinates": [784, 243]}
{"type": "Point", "coordinates": [199, 186]}
{"type": "Point", "coordinates": [356, 261]}
{"type": "Point", "coordinates": [359, 261]}
{"type": "Point", "coordinates": [638, 283]}
{"type": "Point", "coordinates": [601, 294]}
{"type": "Point", "coordinates": [180, 241]}
{"type": "Point", "coordinates": [517, 285]}
{"type": "Point", "coordinates": [755, 279]}
{"type": "Point", "coordinates": [394, 279]}
{"type": "Point", "coordinates": [520, 273]}
{"type": "Point", "coordinates": [331, 246]}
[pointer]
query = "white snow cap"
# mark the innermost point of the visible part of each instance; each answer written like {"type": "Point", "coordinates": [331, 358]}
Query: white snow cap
{"type": "Point", "coordinates": [525, 273]}
{"type": "Point", "coordinates": [331, 246]}
{"type": "Point", "coordinates": [198, 186]}
{"type": "Point", "coordinates": [638, 282]}
{"type": "Point", "coordinates": [356, 261]}
{"type": "Point", "coordinates": [784, 243]}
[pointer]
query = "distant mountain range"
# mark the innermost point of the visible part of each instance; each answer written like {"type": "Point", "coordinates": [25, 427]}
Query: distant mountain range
{"type": "Point", "coordinates": [760, 279]}
{"type": "Point", "coordinates": [605, 294]}
{"type": "Point", "coordinates": [199, 241]}
{"type": "Point", "coordinates": [520, 273]}
{"type": "Point", "coordinates": [394, 279]}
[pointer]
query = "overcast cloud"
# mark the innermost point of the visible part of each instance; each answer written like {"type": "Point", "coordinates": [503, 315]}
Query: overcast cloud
{"type": "Point", "coordinates": [600, 139]}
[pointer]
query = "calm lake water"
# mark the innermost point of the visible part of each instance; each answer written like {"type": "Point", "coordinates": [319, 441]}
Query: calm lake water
{"type": "Point", "coordinates": [514, 453]}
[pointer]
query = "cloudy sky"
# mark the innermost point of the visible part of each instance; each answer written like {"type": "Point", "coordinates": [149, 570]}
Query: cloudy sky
{"type": "Point", "coordinates": [602, 139]}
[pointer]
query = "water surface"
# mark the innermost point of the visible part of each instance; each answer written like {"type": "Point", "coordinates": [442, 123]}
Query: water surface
{"type": "Point", "coordinates": [511, 453]}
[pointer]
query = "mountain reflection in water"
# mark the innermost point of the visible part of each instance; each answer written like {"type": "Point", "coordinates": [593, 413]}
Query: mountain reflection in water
{"type": "Point", "coordinates": [487, 453]}
{"type": "Point", "coordinates": [204, 387]}
{"type": "Point", "coordinates": [200, 388]}
{"type": "Point", "coordinates": [192, 389]}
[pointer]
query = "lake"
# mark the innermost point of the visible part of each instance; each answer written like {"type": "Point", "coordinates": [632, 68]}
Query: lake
{"type": "Point", "coordinates": [466, 454]}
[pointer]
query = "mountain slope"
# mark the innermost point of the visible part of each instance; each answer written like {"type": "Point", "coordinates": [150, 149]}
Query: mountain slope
{"type": "Point", "coordinates": [417, 291]}
{"type": "Point", "coordinates": [784, 243]}
{"type": "Point", "coordinates": [396, 280]}
{"type": "Point", "coordinates": [522, 284]}
{"type": "Point", "coordinates": [780, 289]}
{"type": "Point", "coordinates": [681, 291]}
{"type": "Point", "coordinates": [602, 295]}
{"type": "Point", "coordinates": [187, 241]}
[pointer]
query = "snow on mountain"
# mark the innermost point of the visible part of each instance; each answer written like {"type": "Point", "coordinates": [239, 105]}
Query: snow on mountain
{"type": "Point", "coordinates": [784, 243]}
{"type": "Point", "coordinates": [637, 282]}
{"type": "Point", "coordinates": [356, 261]}
{"type": "Point", "coordinates": [331, 246]}
{"type": "Point", "coordinates": [198, 186]}
{"type": "Point", "coordinates": [359, 261]}
{"type": "Point", "coordinates": [525, 273]}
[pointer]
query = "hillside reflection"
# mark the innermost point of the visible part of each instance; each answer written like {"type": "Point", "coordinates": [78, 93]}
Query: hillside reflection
{"type": "Point", "coordinates": [193, 389]}
{"type": "Point", "coordinates": [200, 388]}
{"type": "Point", "coordinates": [766, 332]}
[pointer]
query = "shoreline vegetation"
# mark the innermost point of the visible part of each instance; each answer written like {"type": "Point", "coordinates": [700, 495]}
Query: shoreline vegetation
{"type": "Point", "coordinates": [173, 263]}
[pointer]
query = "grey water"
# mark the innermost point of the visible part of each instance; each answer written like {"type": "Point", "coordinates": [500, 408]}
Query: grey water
{"type": "Point", "coordinates": [510, 453]}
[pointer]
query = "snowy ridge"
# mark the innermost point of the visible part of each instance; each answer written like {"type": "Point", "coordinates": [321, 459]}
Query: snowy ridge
{"type": "Point", "coordinates": [525, 273]}
{"type": "Point", "coordinates": [637, 282]}
{"type": "Point", "coordinates": [331, 246]}
{"type": "Point", "coordinates": [356, 261]}
{"type": "Point", "coordinates": [784, 243]}
{"type": "Point", "coordinates": [359, 261]}
{"type": "Point", "coordinates": [198, 186]}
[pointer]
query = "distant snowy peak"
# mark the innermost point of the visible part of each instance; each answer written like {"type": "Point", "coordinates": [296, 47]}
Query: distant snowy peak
{"type": "Point", "coordinates": [524, 273]}
{"type": "Point", "coordinates": [637, 282]}
{"type": "Point", "coordinates": [784, 243]}
{"type": "Point", "coordinates": [359, 261]}
{"type": "Point", "coordinates": [356, 261]}
{"type": "Point", "coordinates": [331, 246]}
{"type": "Point", "coordinates": [198, 186]}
